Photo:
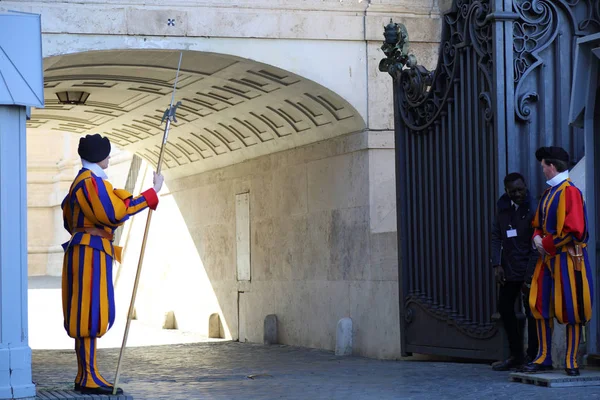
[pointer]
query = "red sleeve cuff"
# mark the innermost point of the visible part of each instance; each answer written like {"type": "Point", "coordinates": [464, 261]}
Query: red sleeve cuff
{"type": "Point", "coordinates": [151, 198]}
{"type": "Point", "coordinates": [537, 232]}
{"type": "Point", "coordinates": [548, 243]}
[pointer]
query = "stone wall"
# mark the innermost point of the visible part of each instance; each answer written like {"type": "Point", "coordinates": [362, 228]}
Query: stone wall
{"type": "Point", "coordinates": [52, 163]}
{"type": "Point", "coordinates": [322, 241]}
{"type": "Point", "coordinates": [43, 201]}
{"type": "Point", "coordinates": [319, 249]}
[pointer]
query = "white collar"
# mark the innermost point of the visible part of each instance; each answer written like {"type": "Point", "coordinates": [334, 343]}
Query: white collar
{"type": "Point", "coordinates": [514, 205]}
{"type": "Point", "coordinates": [558, 178]}
{"type": "Point", "coordinates": [95, 168]}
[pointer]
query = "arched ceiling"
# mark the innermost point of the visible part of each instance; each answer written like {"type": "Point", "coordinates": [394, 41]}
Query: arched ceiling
{"type": "Point", "coordinates": [233, 109]}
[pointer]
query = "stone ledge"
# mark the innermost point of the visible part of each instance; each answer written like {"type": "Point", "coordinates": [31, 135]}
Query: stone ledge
{"type": "Point", "coordinates": [588, 377]}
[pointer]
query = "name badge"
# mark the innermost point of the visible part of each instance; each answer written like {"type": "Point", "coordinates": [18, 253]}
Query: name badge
{"type": "Point", "coordinates": [511, 233]}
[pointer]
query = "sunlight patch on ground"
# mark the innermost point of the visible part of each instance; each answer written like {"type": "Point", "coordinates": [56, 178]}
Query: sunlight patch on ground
{"type": "Point", "coordinates": [46, 323]}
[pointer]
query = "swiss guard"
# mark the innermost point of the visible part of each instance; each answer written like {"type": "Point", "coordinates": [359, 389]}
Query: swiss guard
{"type": "Point", "coordinates": [92, 210]}
{"type": "Point", "coordinates": [561, 286]}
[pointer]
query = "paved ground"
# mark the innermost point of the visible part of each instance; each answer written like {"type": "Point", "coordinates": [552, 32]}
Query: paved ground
{"type": "Point", "coordinates": [188, 367]}
{"type": "Point", "coordinates": [224, 371]}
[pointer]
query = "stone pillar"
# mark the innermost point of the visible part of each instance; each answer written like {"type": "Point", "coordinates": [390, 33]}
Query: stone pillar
{"type": "Point", "coordinates": [215, 328]}
{"type": "Point", "coordinates": [15, 354]}
{"type": "Point", "coordinates": [343, 338]}
{"type": "Point", "coordinates": [270, 329]}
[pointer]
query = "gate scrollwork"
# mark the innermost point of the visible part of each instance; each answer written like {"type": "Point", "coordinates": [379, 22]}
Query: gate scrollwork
{"type": "Point", "coordinates": [423, 93]}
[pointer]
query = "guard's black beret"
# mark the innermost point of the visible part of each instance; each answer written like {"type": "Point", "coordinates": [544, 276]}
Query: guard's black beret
{"type": "Point", "coordinates": [552, 153]}
{"type": "Point", "coordinates": [94, 148]}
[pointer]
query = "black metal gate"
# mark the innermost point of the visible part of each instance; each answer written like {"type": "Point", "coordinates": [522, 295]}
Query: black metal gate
{"type": "Point", "coordinates": [500, 90]}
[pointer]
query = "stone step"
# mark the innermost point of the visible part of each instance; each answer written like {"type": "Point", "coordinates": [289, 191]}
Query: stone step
{"type": "Point", "coordinates": [588, 377]}
{"type": "Point", "coordinates": [73, 395]}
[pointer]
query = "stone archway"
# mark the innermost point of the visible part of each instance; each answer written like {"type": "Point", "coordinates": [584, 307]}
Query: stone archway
{"type": "Point", "coordinates": [233, 109]}
{"type": "Point", "coordinates": [236, 113]}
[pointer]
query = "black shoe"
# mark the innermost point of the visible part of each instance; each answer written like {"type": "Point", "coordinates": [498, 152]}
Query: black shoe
{"type": "Point", "coordinates": [528, 359]}
{"type": "Point", "coordinates": [572, 371]}
{"type": "Point", "coordinates": [533, 368]}
{"type": "Point", "coordinates": [105, 390]}
{"type": "Point", "coordinates": [77, 387]}
{"type": "Point", "coordinates": [508, 364]}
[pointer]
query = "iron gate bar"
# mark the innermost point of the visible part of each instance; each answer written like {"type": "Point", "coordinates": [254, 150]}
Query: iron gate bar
{"type": "Point", "coordinates": [402, 218]}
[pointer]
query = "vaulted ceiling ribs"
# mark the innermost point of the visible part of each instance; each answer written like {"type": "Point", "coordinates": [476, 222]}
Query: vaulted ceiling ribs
{"type": "Point", "coordinates": [233, 109]}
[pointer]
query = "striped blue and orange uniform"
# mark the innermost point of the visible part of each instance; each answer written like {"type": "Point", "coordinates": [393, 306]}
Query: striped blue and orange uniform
{"type": "Point", "coordinates": [561, 287]}
{"type": "Point", "coordinates": [92, 210]}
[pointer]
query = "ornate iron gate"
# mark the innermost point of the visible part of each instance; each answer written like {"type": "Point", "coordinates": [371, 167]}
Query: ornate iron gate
{"type": "Point", "coordinates": [500, 90]}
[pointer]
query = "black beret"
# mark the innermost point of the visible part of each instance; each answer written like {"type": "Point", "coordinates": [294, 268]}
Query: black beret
{"type": "Point", "coordinates": [552, 153]}
{"type": "Point", "coordinates": [94, 148]}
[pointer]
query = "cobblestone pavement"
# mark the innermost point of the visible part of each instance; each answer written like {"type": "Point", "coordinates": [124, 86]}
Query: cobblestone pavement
{"type": "Point", "coordinates": [231, 370]}
{"type": "Point", "coordinates": [187, 367]}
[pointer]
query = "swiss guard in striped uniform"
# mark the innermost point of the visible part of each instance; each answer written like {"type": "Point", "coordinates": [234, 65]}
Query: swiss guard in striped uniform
{"type": "Point", "coordinates": [92, 210]}
{"type": "Point", "coordinates": [561, 286]}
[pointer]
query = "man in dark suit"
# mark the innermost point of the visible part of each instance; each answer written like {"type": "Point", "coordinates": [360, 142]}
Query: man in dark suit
{"type": "Point", "coordinates": [513, 260]}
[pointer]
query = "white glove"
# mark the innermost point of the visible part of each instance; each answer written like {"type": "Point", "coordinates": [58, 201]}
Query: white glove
{"type": "Point", "coordinates": [538, 245]}
{"type": "Point", "coordinates": [158, 182]}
